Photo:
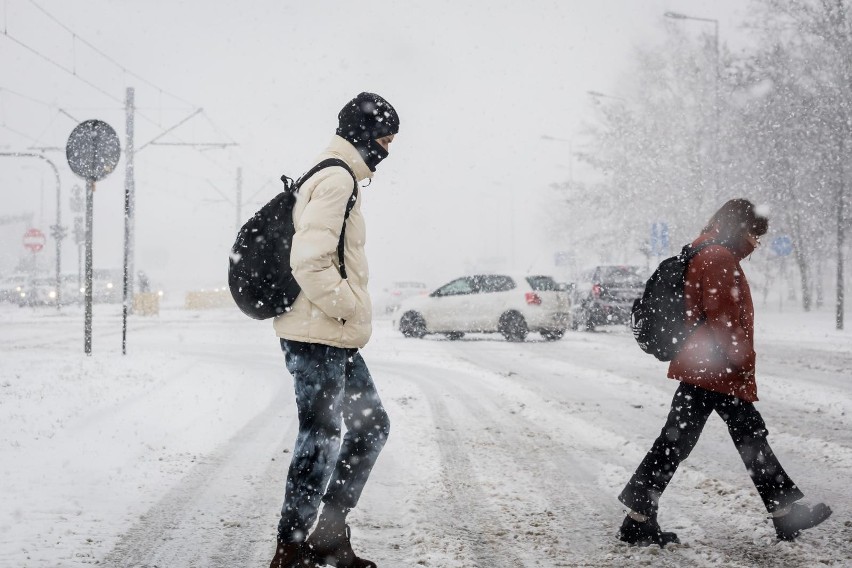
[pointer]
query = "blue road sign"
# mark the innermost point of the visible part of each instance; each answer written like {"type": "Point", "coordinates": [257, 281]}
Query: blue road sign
{"type": "Point", "coordinates": [659, 238]}
{"type": "Point", "coordinates": [782, 246]}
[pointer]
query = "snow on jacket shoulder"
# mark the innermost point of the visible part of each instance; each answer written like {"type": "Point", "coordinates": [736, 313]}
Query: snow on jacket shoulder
{"type": "Point", "coordinates": [719, 355]}
{"type": "Point", "coordinates": [329, 310]}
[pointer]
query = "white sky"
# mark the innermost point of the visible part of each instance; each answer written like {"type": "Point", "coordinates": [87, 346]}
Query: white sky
{"type": "Point", "coordinates": [476, 85]}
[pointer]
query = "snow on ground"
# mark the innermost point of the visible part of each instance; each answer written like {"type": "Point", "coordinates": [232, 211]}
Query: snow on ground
{"type": "Point", "coordinates": [500, 454]}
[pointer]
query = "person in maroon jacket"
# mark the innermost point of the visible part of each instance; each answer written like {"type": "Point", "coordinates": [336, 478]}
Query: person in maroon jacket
{"type": "Point", "coordinates": [715, 368]}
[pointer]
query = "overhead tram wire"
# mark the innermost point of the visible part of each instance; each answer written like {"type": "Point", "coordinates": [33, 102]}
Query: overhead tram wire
{"type": "Point", "coordinates": [92, 85]}
{"type": "Point", "coordinates": [75, 75]}
{"type": "Point", "coordinates": [73, 72]}
{"type": "Point", "coordinates": [65, 111]}
{"type": "Point", "coordinates": [76, 36]}
{"type": "Point", "coordinates": [60, 66]}
{"type": "Point", "coordinates": [18, 132]}
{"type": "Point", "coordinates": [124, 69]}
{"type": "Point", "coordinates": [26, 97]}
{"type": "Point", "coordinates": [107, 57]}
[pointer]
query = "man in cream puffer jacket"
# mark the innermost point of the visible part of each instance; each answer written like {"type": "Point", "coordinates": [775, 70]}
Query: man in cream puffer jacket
{"type": "Point", "coordinates": [320, 336]}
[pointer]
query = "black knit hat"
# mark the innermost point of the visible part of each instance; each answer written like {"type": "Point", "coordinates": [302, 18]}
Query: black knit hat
{"type": "Point", "coordinates": [367, 117]}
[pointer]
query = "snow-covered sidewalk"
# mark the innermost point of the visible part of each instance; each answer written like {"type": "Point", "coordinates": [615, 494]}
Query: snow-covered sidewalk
{"type": "Point", "coordinates": [500, 454]}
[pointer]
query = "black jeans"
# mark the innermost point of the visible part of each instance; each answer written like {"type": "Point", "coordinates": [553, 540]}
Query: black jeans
{"type": "Point", "coordinates": [691, 407]}
{"type": "Point", "coordinates": [333, 385]}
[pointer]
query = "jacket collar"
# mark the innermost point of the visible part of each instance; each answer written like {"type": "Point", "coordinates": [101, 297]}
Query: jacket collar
{"type": "Point", "coordinates": [343, 149]}
{"type": "Point", "coordinates": [739, 250]}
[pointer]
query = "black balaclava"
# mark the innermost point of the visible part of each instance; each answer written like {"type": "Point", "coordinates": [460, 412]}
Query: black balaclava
{"type": "Point", "coordinates": [364, 119]}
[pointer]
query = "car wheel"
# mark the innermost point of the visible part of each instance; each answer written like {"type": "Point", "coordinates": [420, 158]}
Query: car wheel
{"type": "Point", "coordinates": [553, 334]}
{"type": "Point", "coordinates": [412, 324]}
{"type": "Point", "coordinates": [587, 321]}
{"type": "Point", "coordinates": [454, 335]}
{"type": "Point", "coordinates": [513, 326]}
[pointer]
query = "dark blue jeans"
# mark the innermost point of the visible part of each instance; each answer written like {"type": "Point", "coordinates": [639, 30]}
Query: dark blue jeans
{"type": "Point", "coordinates": [333, 385]}
{"type": "Point", "coordinates": [691, 407]}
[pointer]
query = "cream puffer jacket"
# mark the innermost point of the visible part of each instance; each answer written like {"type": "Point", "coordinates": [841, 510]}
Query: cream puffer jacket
{"type": "Point", "coordinates": [329, 310]}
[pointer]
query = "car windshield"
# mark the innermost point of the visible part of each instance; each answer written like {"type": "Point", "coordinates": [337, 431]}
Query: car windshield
{"type": "Point", "coordinates": [454, 288]}
{"type": "Point", "coordinates": [621, 275]}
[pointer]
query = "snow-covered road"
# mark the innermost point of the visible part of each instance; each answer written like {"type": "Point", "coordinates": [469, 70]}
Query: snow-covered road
{"type": "Point", "coordinates": [500, 454]}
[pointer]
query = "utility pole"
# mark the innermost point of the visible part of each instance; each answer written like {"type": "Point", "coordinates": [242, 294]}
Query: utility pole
{"type": "Point", "coordinates": [239, 198]}
{"type": "Point", "coordinates": [840, 231]}
{"type": "Point", "coordinates": [129, 206]}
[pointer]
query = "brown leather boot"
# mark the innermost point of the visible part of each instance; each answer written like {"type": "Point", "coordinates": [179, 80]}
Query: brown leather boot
{"type": "Point", "coordinates": [329, 547]}
{"type": "Point", "coordinates": [291, 555]}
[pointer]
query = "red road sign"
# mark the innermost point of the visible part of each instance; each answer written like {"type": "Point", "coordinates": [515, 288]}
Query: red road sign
{"type": "Point", "coordinates": [34, 240]}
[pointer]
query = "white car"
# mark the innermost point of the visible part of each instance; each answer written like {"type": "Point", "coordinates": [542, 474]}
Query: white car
{"type": "Point", "coordinates": [512, 305]}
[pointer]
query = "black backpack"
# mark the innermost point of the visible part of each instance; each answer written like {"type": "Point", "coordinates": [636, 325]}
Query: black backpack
{"type": "Point", "coordinates": [259, 273]}
{"type": "Point", "coordinates": [658, 318]}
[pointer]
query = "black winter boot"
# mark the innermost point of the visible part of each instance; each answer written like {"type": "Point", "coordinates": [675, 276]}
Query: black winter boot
{"type": "Point", "coordinates": [800, 517]}
{"type": "Point", "coordinates": [645, 533]}
{"type": "Point", "coordinates": [291, 555]}
{"type": "Point", "coordinates": [329, 547]}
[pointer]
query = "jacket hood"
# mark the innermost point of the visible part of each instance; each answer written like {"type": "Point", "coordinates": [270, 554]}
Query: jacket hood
{"type": "Point", "coordinates": [343, 149]}
{"type": "Point", "coordinates": [740, 248]}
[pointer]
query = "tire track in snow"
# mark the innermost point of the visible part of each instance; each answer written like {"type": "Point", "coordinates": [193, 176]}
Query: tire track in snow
{"type": "Point", "coordinates": [477, 527]}
{"type": "Point", "coordinates": [222, 514]}
{"type": "Point", "coordinates": [553, 500]}
{"type": "Point", "coordinates": [712, 548]}
{"type": "Point", "coordinates": [537, 498]}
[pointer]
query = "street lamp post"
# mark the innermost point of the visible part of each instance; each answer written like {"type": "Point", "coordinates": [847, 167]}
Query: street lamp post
{"type": "Point", "coordinates": [717, 157]}
{"type": "Point", "coordinates": [57, 230]}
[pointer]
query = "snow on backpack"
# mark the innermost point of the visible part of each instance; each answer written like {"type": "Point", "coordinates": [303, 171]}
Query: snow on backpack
{"type": "Point", "coordinates": [658, 318]}
{"type": "Point", "coordinates": [259, 273]}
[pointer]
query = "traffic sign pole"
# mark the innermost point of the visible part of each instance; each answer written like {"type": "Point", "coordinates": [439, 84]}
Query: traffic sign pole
{"type": "Point", "coordinates": [92, 152]}
{"type": "Point", "coordinates": [87, 339]}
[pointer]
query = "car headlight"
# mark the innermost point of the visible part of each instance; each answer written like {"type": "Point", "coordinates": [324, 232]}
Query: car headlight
{"type": "Point", "coordinates": [52, 294]}
{"type": "Point", "coordinates": [23, 294]}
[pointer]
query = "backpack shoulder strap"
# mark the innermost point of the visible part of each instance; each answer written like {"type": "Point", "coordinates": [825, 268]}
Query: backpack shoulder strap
{"type": "Point", "coordinates": [327, 163]}
{"type": "Point", "coordinates": [690, 251]}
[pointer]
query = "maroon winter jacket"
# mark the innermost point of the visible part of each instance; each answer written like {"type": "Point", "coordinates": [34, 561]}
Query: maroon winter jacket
{"type": "Point", "coordinates": [719, 355]}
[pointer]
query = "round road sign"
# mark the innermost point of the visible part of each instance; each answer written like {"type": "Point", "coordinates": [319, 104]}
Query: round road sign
{"type": "Point", "coordinates": [34, 240]}
{"type": "Point", "coordinates": [93, 150]}
{"type": "Point", "coordinates": [782, 246]}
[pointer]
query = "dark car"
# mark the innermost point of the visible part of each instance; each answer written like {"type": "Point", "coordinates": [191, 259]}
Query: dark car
{"type": "Point", "coordinates": [605, 295]}
{"type": "Point", "coordinates": [41, 291]}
